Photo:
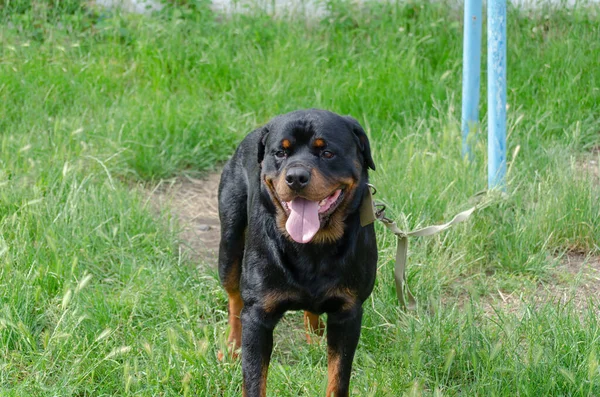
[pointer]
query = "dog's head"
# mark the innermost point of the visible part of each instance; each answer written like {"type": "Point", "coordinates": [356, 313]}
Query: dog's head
{"type": "Point", "coordinates": [312, 163]}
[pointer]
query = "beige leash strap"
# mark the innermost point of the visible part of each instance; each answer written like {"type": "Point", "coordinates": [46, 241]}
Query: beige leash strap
{"type": "Point", "coordinates": [369, 212]}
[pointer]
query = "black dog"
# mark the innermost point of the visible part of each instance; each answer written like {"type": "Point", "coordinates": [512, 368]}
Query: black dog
{"type": "Point", "coordinates": [291, 238]}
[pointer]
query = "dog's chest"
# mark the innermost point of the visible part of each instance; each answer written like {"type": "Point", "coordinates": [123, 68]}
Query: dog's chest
{"type": "Point", "coordinates": [323, 285]}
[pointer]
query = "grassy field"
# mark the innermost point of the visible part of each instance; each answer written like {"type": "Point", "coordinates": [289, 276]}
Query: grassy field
{"type": "Point", "coordinates": [95, 296]}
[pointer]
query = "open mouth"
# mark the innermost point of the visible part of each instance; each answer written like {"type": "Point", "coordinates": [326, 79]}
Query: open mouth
{"type": "Point", "coordinates": [307, 217]}
{"type": "Point", "coordinates": [326, 206]}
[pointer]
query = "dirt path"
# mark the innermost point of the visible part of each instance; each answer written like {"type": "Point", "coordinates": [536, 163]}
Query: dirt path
{"type": "Point", "coordinates": [193, 202]}
{"type": "Point", "coordinates": [574, 281]}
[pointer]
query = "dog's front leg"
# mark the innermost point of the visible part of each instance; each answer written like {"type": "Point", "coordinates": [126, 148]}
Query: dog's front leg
{"type": "Point", "coordinates": [343, 332]}
{"type": "Point", "coordinates": [257, 345]}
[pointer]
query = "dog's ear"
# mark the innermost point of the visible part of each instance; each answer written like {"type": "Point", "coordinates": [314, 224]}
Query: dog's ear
{"type": "Point", "coordinates": [362, 140]}
{"type": "Point", "coordinates": [262, 142]}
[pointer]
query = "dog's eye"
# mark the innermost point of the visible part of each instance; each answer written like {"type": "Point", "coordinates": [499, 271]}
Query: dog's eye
{"type": "Point", "coordinates": [327, 154]}
{"type": "Point", "coordinates": [280, 154]}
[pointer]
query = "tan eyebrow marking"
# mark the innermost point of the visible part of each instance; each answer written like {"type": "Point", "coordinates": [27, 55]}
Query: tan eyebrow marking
{"type": "Point", "coordinates": [319, 143]}
{"type": "Point", "coordinates": [286, 144]}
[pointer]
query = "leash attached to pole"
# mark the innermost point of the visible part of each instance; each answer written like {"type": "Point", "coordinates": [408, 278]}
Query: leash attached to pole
{"type": "Point", "coordinates": [369, 212]}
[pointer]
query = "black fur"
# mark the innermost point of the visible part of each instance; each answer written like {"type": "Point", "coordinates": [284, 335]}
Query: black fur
{"type": "Point", "coordinates": [278, 274]}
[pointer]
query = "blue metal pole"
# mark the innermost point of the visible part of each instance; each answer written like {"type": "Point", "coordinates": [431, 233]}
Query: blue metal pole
{"type": "Point", "coordinates": [471, 72]}
{"type": "Point", "coordinates": [496, 59]}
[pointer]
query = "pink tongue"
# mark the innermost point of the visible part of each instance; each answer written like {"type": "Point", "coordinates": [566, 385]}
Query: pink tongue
{"type": "Point", "coordinates": [303, 222]}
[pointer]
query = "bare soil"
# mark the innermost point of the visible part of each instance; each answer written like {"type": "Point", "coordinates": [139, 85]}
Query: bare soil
{"type": "Point", "coordinates": [576, 280]}
{"type": "Point", "coordinates": [193, 202]}
{"type": "Point", "coordinates": [590, 167]}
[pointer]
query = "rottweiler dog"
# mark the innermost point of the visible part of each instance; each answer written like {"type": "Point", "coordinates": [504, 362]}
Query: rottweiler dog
{"type": "Point", "coordinates": [291, 238]}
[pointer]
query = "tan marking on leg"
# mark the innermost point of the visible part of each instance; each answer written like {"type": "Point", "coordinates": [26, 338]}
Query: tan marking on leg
{"type": "Point", "coordinates": [234, 306]}
{"type": "Point", "coordinates": [232, 282]}
{"type": "Point", "coordinates": [313, 325]}
{"type": "Point", "coordinates": [234, 341]}
{"type": "Point", "coordinates": [235, 323]}
{"type": "Point", "coordinates": [333, 370]}
{"type": "Point", "coordinates": [263, 380]}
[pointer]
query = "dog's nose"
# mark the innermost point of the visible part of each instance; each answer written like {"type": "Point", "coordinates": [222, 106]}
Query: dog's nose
{"type": "Point", "coordinates": [297, 177]}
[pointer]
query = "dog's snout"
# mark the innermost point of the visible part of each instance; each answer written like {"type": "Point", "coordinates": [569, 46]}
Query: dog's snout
{"type": "Point", "coordinates": [297, 177]}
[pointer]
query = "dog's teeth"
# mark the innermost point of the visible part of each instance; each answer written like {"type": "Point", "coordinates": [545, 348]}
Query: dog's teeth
{"type": "Point", "coordinates": [322, 202]}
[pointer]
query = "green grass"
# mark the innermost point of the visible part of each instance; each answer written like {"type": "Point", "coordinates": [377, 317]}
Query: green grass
{"type": "Point", "coordinates": [95, 297]}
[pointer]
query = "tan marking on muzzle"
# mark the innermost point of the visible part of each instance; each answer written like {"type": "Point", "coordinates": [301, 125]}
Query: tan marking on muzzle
{"type": "Point", "coordinates": [317, 189]}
